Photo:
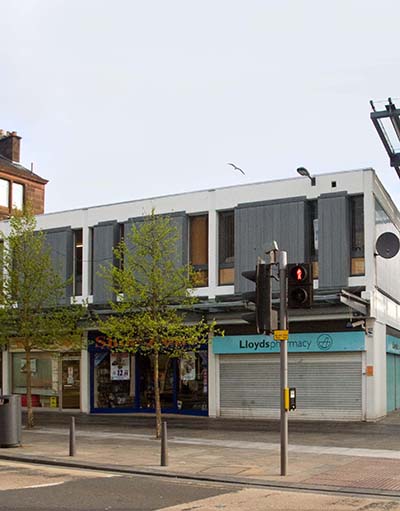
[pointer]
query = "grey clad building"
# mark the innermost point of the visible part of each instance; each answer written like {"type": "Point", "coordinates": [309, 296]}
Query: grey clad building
{"type": "Point", "coordinates": [344, 352]}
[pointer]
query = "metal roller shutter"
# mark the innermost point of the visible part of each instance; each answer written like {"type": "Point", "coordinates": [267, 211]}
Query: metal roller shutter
{"type": "Point", "coordinates": [328, 386]}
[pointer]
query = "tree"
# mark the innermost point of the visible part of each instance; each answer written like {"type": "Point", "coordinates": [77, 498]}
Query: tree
{"type": "Point", "coordinates": [153, 289]}
{"type": "Point", "coordinates": [31, 291]}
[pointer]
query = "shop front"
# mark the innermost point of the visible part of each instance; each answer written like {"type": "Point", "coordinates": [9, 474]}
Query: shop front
{"type": "Point", "coordinates": [326, 369]}
{"type": "Point", "coordinates": [392, 373]}
{"type": "Point", "coordinates": [123, 382]}
{"type": "Point", "coordinates": [55, 379]}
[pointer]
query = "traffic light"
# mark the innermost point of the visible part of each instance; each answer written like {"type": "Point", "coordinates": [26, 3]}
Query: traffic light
{"type": "Point", "coordinates": [264, 317]}
{"type": "Point", "coordinates": [300, 286]}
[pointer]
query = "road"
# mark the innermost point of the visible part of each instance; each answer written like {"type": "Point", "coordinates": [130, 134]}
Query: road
{"type": "Point", "coordinates": [42, 488]}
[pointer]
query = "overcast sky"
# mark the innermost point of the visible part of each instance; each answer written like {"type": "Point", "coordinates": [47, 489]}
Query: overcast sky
{"type": "Point", "coordinates": [129, 99]}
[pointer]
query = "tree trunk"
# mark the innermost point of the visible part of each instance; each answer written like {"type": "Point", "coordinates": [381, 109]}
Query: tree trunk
{"type": "Point", "coordinates": [157, 396]}
{"type": "Point", "coordinates": [30, 423]}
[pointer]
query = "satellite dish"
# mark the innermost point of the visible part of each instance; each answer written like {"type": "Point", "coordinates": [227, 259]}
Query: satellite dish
{"type": "Point", "coordinates": [387, 245]}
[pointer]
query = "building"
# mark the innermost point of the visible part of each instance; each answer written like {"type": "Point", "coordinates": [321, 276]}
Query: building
{"type": "Point", "coordinates": [344, 353]}
{"type": "Point", "coordinates": [18, 185]}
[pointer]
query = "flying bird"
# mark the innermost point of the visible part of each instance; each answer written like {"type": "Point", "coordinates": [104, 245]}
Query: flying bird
{"type": "Point", "coordinates": [236, 168]}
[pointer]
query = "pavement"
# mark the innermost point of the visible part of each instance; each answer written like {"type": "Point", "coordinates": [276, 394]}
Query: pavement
{"type": "Point", "coordinates": [325, 456]}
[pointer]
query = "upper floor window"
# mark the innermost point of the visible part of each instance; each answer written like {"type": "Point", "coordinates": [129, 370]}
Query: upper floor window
{"type": "Point", "coordinates": [226, 248]}
{"type": "Point", "coordinates": [198, 247]}
{"type": "Point", "coordinates": [15, 199]}
{"type": "Point", "coordinates": [357, 235]}
{"type": "Point", "coordinates": [17, 196]}
{"type": "Point", "coordinates": [4, 193]}
{"type": "Point", "coordinates": [78, 262]}
{"type": "Point", "coordinates": [313, 235]}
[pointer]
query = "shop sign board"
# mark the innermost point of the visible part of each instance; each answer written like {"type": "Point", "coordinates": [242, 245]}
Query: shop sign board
{"type": "Point", "coordinates": [392, 345]}
{"type": "Point", "coordinates": [297, 343]}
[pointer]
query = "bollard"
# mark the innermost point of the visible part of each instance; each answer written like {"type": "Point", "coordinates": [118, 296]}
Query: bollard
{"type": "Point", "coordinates": [72, 444]}
{"type": "Point", "coordinates": [164, 445]}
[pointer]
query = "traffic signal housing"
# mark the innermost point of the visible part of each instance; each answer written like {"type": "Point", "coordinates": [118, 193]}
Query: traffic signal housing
{"type": "Point", "coordinates": [264, 317]}
{"type": "Point", "coordinates": [300, 286]}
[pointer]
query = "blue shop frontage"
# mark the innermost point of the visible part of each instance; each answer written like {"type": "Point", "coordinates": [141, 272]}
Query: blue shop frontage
{"type": "Point", "coordinates": [123, 382]}
{"type": "Point", "coordinates": [327, 369]}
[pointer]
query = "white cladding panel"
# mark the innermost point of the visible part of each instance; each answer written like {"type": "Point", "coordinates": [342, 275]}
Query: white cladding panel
{"type": "Point", "coordinates": [328, 386]}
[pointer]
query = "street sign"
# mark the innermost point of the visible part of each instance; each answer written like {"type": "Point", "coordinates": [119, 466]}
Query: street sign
{"type": "Point", "coordinates": [281, 335]}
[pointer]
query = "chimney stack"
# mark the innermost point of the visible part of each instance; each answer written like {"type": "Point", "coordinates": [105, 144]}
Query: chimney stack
{"type": "Point", "coordinates": [10, 145]}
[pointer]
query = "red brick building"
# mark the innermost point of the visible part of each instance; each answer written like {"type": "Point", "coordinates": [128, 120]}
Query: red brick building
{"type": "Point", "coordinates": [18, 185]}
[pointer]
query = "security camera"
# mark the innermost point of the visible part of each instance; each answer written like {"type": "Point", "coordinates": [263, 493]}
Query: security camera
{"type": "Point", "coordinates": [270, 246]}
{"type": "Point", "coordinates": [360, 323]}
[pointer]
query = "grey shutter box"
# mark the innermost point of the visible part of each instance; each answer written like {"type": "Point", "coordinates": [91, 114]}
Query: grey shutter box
{"type": "Point", "coordinates": [259, 223]}
{"type": "Point", "coordinates": [105, 237]}
{"type": "Point", "coordinates": [60, 241]}
{"type": "Point", "coordinates": [178, 220]}
{"type": "Point", "coordinates": [333, 240]}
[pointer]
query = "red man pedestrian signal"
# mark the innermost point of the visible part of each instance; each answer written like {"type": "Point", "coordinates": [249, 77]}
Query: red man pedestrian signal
{"type": "Point", "coordinates": [300, 286]}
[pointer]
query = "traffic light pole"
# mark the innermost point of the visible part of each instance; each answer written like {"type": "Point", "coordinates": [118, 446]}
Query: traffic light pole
{"type": "Point", "coordinates": [283, 325]}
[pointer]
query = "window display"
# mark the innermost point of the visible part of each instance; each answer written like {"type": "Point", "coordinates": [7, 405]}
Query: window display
{"type": "Point", "coordinates": [114, 382]}
{"type": "Point", "coordinates": [193, 382]}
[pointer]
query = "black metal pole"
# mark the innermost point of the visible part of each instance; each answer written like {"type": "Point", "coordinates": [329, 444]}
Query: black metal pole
{"type": "Point", "coordinates": [164, 445]}
{"type": "Point", "coordinates": [72, 443]}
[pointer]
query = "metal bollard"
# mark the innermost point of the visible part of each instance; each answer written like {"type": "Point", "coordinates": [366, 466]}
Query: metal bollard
{"type": "Point", "coordinates": [164, 445]}
{"type": "Point", "coordinates": [72, 443]}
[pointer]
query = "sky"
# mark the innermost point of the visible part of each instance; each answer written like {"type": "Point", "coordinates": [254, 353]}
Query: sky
{"type": "Point", "coordinates": [130, 99]}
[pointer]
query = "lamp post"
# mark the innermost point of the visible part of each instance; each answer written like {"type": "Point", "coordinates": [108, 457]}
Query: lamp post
{"type": "Point", "coordinates": [304, 172]}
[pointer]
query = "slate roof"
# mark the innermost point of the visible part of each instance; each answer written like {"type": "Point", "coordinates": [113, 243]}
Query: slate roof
{"type": "Point", "coordinates": [18, 170]}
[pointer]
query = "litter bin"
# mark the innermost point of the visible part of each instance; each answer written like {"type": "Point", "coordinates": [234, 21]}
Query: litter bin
{"type": "Point", "coordinates": [10, 421]}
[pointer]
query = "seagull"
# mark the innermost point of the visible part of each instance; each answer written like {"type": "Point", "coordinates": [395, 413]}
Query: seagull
{"type": "Point", "coordinates": [236, 168]}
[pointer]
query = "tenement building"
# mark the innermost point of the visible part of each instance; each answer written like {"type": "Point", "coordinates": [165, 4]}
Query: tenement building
{"type": "Point", "coordinates": [18, 187]}
{"type": "Point", "coordinates": [344, 352]}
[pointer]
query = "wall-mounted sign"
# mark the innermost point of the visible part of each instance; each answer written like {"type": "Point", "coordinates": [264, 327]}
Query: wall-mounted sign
{"type": "Point", "coordinates": [119, 363]}
{"type": "Point", "coordinates": [297, 343]}
{"type": "Point", "coordinates": [392, 344]}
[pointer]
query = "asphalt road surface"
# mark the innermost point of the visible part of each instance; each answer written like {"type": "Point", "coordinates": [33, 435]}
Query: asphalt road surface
{"type": "Point", "coordinates": [39, 488]}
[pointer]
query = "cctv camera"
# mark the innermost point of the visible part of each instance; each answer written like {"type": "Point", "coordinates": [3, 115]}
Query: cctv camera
{"type": "Point", "coordinates": [360, 323]}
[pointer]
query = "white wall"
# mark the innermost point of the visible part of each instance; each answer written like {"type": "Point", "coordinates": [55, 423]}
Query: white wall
{"type": "Point", "coordinates": [375, 386]}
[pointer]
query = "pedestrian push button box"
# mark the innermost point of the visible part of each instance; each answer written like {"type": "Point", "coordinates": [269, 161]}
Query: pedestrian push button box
{"type": "Point", "coordinates": [289, 399]}
{"type": "Point", "coordinates": [292, 398]}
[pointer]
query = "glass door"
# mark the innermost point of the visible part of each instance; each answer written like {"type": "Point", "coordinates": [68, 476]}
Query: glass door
{"type": "Point", "coordinates": [71, 381]}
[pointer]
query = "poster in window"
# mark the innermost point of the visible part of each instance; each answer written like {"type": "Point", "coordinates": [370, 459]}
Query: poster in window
{"type": "Point", "coordinates": [119, 366]}
{"type": "Point", "coordinates": [188, 367]}
{"type": "Point", "coordinates": [23, 365]}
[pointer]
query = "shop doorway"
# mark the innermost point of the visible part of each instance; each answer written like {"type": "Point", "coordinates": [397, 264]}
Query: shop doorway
{"type": "Point", "coordinates": [71, 382]}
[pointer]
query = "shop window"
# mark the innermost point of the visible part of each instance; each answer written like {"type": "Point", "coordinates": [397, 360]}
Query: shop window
{"type": "Point", "coordinates": [45, 378]}
{"type": "Point", "coordinates": [357, 235]}
{"type": "Point", "coordinates": [226, 248]}
{"type": "Point", "coordinates": [166, 381]}
{"type": "Point", "coordinates": [17, 196]}
{"type": "Point", "coordinates": [114, 380]}
{"type": "Point", "coordinates": [78, 262]}
{"type": "Point", "coordinates": [198, 247]}
{"type": "Point", "coordinates": [4, 193]}
{"type": "Point", "coordinates": [193, 381]}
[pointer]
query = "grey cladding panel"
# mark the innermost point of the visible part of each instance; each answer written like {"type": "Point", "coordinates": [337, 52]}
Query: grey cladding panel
{"type": "Point", "coordinates": [258, 224]}
{"type": "Point", "coordinates": [179, 221]}
{"type": "Point", "coordinates": [333, 241]}
{"type": "Point", "coordinates": [105, 237]}
{"type": "Point", "coordinates": [60, 242]}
